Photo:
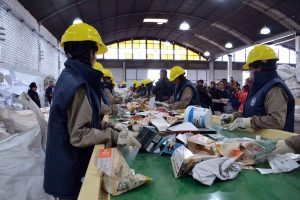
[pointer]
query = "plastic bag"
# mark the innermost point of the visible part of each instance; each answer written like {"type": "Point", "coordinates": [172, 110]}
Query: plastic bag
{"type": "Point", "coordinates": [22, 163]}
{"type": "Point", "coordinates": [17, 121]}
{"type": "Point", "coordinates": [118, 178]}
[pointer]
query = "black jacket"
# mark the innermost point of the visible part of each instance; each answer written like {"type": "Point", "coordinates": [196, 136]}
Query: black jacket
{"type": "Point", "coordinates": [35, 97]}
{"type": "Point", "coordinates": [49, 91]}
{"type": "Point", "coordinates": [205, 99]}
{"type": "Point", "coordinates": [163, 90]}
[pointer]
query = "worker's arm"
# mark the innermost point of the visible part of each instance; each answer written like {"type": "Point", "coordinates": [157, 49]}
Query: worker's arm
{"type": "Point", "coordinates": [79, 121]}
{"type": "Point", "coordinates": [117, 99]}
{"type": "Point", "coordinates": [105, 109]}
{"type": "Point", "coordinates": [185, 100]}
{"type": "Point", "coordinates": [157, 87]}
{"type": "Point", "coordinates": [237, 114]}
{"type": "Point", "coordinates": [293, 143]}
{"type": "Point", "coordinates": [109, 95]}
{"type": "Point", "coordinates": [276, 109]}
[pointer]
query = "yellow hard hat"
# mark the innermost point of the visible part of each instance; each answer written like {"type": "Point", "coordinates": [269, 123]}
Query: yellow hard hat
{"type": "Point", "coordinates": [107, 74]}
{"type": "Point", "coordinates": [134, 82]}
{"type": "Point", "coordinates": [123, 83]}
{"type": "Point", "coordinates": [83, 32]}
{"type": "Point", "coordinates": [114, 82]}
{"type": "Point", "coordinates": [98, 66]}
{"type": "Point", "coordinates": [176, 71]}
{"type": "Point", "coordinates": [138, 84]}
{"type": "Point", "coordinates": [260, 52]}
{"type": "Point", "coordinates": [147, 81]}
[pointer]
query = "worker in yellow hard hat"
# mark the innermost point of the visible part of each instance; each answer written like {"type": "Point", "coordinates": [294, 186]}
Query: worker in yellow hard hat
{"type": "Point", "coordinates": [123, 84]}
{"type": "Point", "coordinates": [74, 122]}
{"type": "Point", "coordinates": [146, 88]}
{"type": "Point", "coordinates": [164, 88]}
{"type": "Point", "coordinates": [185, 91]}
{"type": "Point", "coordinates": [98, 66]}
{"type": "Point", "coordinates": [133, 88]}
{"type": "Point", "coordinates": [269, 103]}
{"type": "Point", "coordinates": [109, 84]}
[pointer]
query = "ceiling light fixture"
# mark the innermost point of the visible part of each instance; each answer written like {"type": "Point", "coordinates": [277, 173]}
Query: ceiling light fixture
{"type": "Point", "coordinates": [265, 30]}
{"type": "Point", "coordinates": [228, 45]}
{"type": "Point", "coordinates": [155, 20]}
{"type": "Point", "coordinates": [77, 21]}
{"type": "Point", "coordinates": [168, 43]}
{"type": "Point", "coordinates": [206, 53]}
{"type": "Point", "coordinates": [184, 26]}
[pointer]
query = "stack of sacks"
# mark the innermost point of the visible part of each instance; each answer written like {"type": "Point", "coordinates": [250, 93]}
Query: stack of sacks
{"type": "Point", "coordinates": [297, 119]}
{"type": "Point", "coordinates": [288, 74]}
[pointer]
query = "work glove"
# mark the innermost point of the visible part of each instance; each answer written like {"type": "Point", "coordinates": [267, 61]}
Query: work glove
{"type": "Point", "coordinates": [268, 147]}
{"type": "Point", "coordinates": [161, 104]}
{"type": "Point", "coordinates": [105, 125]}
{"type": "Point", "coordinates": [127, 138]}
{"type": "Point", "coordinates": [121, 127]}
{"type": "Point", "coordinates": [282, 148]}
{"type": "Point", "coordinates": [226, 118]}
{"type": "Point", "coordinates": [240, 123]}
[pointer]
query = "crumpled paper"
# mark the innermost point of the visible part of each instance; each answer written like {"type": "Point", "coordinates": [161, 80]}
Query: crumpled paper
{"type": "Point", "coordinates": [223, 168]}
{"type": "Point", "coordinates": [281, 163]}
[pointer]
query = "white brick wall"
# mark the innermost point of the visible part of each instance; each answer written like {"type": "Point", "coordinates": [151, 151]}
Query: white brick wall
{"type": "Point", "coordinates": [21, 45]}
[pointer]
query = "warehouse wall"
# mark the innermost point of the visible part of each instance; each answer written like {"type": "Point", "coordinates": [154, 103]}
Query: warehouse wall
{"type": "Point", "coordinates": [22, 47]}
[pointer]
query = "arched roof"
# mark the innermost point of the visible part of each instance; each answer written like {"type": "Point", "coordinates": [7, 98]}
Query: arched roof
{"type": "Point", "coordinates": [213, 22]}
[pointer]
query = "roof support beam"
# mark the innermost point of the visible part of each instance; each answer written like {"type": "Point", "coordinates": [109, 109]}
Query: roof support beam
{"type": "Point", "coordinates": [211, 42]}
{"type": "Point", "coordinates": [61, 10]}
{"type": "Point", "coordinates": [236, 34]}
{"type": "Point", "coordinates": [273, 13]}
{"type": "Point", "coordinates": [272, 39]}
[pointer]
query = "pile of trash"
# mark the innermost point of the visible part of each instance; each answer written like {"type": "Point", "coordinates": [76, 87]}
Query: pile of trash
{"type": "Point", "coordinates": [198, 150]}
{"type": "Point", "coordinates": [290, 77]}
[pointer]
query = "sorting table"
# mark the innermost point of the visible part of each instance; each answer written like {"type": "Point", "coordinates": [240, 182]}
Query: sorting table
{"type": "Point", "coordinates": [249, 184]}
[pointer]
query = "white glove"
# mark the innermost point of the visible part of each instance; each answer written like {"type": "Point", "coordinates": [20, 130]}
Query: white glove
{"type": "Point", "coordinates": [240, 123]}
{"type": "Point", "coordinates": [282, 148]}
{"type": "Point", "coordinates": [226, 118]}
{"type": "Point", "coordinates": [127, 138]}
{"type": "Point", "coordinates": [121, 127]}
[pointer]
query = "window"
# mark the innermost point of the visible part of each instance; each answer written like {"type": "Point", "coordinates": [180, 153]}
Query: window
{"type": "Point", "coordinates": [180, 52]}
{"type": "Point", "coordinates": [167, 51]}
{"type": "Point", "coordinates": [139, 49]}
{"type": "Point", "coordinates": [246, 74]}
{"type": "Point", "coordinates": [153, 74]}
{"type": "Point", "coordinates": [149, 49]}
{"type": "Point", "coordinates": [125, 50]}
{"type": "Point", "coordinates": [240, 56]}
{"type": "Point", "coordinates": [284, 55]}
{"type": "Point", "coordinates": [292, 57]}
{"type": "Point", "coordinates": [153, 50]}
{"type": "Point", "coordinates": [193, 56]}
{"type": "Point", "coordinates": [112, 52]}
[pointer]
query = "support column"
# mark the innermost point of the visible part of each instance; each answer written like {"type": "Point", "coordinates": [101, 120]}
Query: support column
{"type": "Point", "coordinates": [297, 49]}
{"type": "Point", "coordinates": [124, 72]}
{"type": "Point", "coordinates": [210, 72]}
{"type": "Point", "coordinates": [229, 67]}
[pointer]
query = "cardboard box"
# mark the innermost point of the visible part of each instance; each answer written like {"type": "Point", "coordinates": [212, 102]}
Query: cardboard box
{"type": "Point", "coordinates": [199, 144]}
{"type": "Point", "coordinates": [150, 139]}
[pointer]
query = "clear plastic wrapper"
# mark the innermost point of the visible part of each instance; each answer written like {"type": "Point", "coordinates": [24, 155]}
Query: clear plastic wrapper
{"type": "Point", "coordinates": [117, 176]}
